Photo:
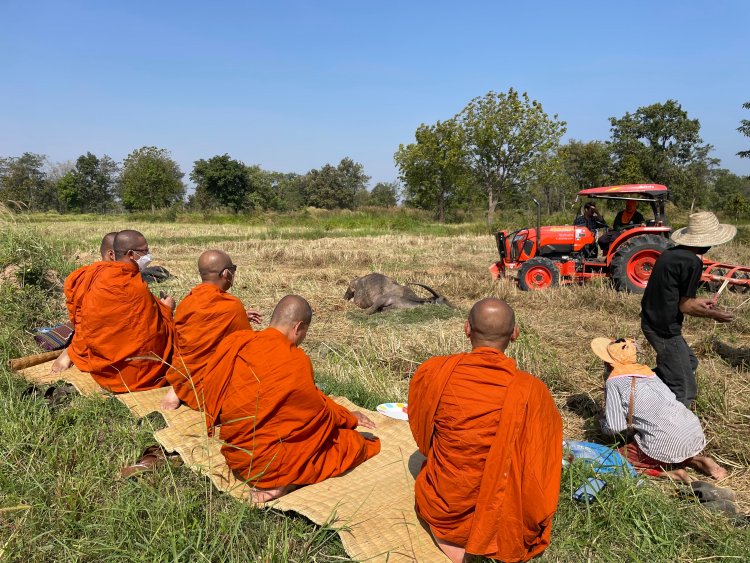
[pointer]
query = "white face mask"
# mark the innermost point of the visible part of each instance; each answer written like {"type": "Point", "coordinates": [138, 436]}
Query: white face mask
{"type": "Point", "coordinates": [143, 261]}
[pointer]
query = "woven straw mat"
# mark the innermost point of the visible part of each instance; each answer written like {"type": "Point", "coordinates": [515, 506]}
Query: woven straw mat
{"type": "Point", "coordinates": [371, 506]}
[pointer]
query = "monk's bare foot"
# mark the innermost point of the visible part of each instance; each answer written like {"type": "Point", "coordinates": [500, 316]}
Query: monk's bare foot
{"type": "Point", "coordinates": [455, 553]}
{"type": "Point", "coordinates": [707, 466]}
{"type": "Point", "coordinates": [62, 362]}
{"type": "Point", "coordinates": [171, 401]}
{"type": "Point", "coordinates": [260, 496]}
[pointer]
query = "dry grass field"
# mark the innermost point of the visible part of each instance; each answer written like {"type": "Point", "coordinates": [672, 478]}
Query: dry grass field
{"type": "Point", "coordinates": [370, 359]}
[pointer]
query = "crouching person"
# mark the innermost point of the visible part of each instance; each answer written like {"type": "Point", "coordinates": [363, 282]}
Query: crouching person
{"type": "Point", "coordinates": [667, 436]}
{"type": "Point", "coordinates": [279, 431]}
{"type": "Point", "coordinates": [493, 441]}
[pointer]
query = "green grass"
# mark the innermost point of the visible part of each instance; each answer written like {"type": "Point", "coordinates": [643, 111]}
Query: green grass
{"type": "Point", "coordinates": [61, 500]}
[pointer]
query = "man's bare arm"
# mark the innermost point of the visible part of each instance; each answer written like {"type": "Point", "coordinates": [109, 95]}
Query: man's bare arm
{"type": "Point", "coordinates": [698, 307]}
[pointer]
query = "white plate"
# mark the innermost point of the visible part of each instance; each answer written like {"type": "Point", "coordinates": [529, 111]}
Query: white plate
{"type": "Point", "coordinates": [394, 410]}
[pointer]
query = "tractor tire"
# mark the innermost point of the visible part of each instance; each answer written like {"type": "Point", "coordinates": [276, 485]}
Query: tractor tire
{"type": "Point", "coordinates": [632, 263]}
{"type": "Point", "coordinates": [538, 273]}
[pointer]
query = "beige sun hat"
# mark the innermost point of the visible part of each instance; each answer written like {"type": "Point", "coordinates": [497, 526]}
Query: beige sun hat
{"type": "Point", "coordinates": [704, 229]}
{"type": "Point", "coordinates": [620, 351]}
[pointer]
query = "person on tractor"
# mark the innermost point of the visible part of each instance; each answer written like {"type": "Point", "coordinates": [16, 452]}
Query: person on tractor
{"type": "Point", "coordinates": [671, 293]}
{"type": "Point", "coordinates": [591, 219]}
{"type": "Point", "coordinates": [628, 217]}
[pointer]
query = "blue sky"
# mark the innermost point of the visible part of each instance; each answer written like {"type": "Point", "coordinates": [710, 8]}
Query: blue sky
{"type": "Point", "coordinates": [294, 85]}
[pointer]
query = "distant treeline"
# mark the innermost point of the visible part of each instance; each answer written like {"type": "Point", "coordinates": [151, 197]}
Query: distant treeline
{"type": "Point", "coordinates": [499, 151]}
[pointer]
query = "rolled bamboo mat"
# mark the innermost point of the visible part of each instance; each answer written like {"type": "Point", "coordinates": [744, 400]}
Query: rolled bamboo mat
{"type": "Point", "coordinates": [31, 361]}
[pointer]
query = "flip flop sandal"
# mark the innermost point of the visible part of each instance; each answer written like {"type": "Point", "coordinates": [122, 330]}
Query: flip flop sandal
{"type": "Point", "coordinates": [58, 394]}
{"type": "Point", "coordinates": [152, 458]}
{"type": "Point", "coordinates": [707, 492]}
{"type": "Point", "coordinates": [31, 392]}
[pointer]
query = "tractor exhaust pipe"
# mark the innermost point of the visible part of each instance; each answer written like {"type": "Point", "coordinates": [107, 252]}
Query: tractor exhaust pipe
{"type": "Point", "coordinates": [538, 225]}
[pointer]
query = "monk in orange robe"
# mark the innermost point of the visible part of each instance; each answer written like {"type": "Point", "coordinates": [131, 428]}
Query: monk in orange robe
{"type": "Point", "coordinates": [279, 430]}
{"type": "Point", "coordinates": [492, 437]}
{"type": "Point", "coordinates": [123, 334]}
{"type": "Point", "coordinates": [206, 316]}
{"type": "Point", "coordinates": [107, 252]}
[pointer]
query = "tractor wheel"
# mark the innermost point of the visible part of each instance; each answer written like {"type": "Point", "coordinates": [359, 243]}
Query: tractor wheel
{"type": "Point", "coordinates": [633, 261]}
{"type": "Point", "coordinates": [538, 273]}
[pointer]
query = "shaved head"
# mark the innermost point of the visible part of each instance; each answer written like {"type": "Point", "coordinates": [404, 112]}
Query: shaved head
{"type": "Point", "coordinates": [292, 309]}
{"type": "Point", "coordinates": [212, 263]}
{"type": "Point", "coordinates": [128, 240]}
{"type": "Point", "coordinates": [107, 247]}
{"type": "Point", "coordinates": [492, 322]}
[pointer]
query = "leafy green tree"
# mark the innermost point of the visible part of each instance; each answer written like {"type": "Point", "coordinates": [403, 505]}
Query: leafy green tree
{"type": "Point", "coordinates": [24, 183]}
{"type": "Point", "coordinates": [737, 206]}
{"type": "Point", "coordinates": [507, 136]}
{"type": "Point", "coordinates": [335, 187]}
{"type": "Point", "coordinates": [90, 185]}
{"type": "Point", "coordinates": [744, 128]}
{"type": "Point", "coordinates": [726, 185]}
{"type": "Point", "coordinates": [222, 181]}
{"type": "Point", "coordinates": [552, 185]}
{"type": "Point", "coordinates": [435, 169]}
{"type": "Point", "coordinates": [384, 194]}
{"type": "Point", "coordinates": [150, 179]}
{"type": "Point", "coordinates": [661, 144]}
{"type": "Point", "coordinates": [261, 193]}
{"type": "Point", "coordinates": [587, 164]}
{"type": "Point", "coordinates": [288, 189]}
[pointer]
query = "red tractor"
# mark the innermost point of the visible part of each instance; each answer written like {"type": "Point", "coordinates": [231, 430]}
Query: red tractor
{"type": "Point", "coordinates": [569, 254]}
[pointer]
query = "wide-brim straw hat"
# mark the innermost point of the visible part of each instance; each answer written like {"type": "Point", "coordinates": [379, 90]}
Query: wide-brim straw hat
{"type": "Point", "coordinates": [621, 351]}
{"type": "Point", "coordinates": [704, 229]}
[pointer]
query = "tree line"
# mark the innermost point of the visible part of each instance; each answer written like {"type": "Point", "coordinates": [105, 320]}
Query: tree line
{"type": "Point", "coordinates": [503, 148]}
{"type": "Point", "coordinates": [499, 151]}
{"type": "Point", "coordinates": [149, 179]}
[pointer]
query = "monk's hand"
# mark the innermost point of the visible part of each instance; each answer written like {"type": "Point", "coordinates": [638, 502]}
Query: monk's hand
{"type": "Point", "coordinates": [254, 316]}
{"type": "Point", "coordinates": [168, 300]}
{"type": "Point", "coordinates": [363, 421]}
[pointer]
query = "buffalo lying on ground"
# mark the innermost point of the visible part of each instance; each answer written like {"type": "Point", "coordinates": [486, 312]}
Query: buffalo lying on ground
{"type": "Point", "coordinates": [376, 292]}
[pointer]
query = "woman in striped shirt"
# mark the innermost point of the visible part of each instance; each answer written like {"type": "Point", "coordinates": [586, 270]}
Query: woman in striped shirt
{"type": "Point", "coordinates": [667, 436]}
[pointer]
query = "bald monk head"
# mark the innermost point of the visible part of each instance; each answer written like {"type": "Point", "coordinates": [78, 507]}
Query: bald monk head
{"type": "Point", "coordinates": [107, 248]}
{"type": "Point", "coordinates": [491, 323]}
{"type": "Point", "coordinates": [131, 246]}
{"type": "Point", "coordinates": [292, 316]}
{"type": "Point", "coordinates": [216, 268]}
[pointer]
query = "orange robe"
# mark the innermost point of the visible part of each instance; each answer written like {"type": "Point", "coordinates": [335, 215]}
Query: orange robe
{"type": "Point", "coordinates": [493, 441]}
{"type": "Point", "coordinates": [118, 322]}
{"type": "Point", "coordinates": [278, 428]}
{"type": "Point", "coordinates": [202, 320]}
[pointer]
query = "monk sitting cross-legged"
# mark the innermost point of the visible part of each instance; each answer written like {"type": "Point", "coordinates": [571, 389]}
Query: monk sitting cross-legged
{"type": "Point", "coordinates": [206, 316]}
{"type": "Point", "coordinates": [123, 334]}
{"type": "Point", "coordinates": [107, 252]}
{"type": "Point", "coordinates": [278, 429]}
{"type": "Point", "coordinates": [493, 441]}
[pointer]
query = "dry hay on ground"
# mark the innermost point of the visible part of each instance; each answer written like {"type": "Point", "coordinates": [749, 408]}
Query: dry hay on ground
{"type": "Point", "coordinates": [381, 354]}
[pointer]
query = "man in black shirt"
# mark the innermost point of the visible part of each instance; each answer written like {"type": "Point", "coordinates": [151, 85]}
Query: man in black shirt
{"type": "Point", "coordinates": [590, 218]}
{"type": "Point", "coordinates": [671, 294]}
{"type": "Point", "coordinates": [593, 221]}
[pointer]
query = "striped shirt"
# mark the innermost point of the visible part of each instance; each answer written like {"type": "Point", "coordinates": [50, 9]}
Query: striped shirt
{"type": "Point", "coordinates": [665, 429]}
